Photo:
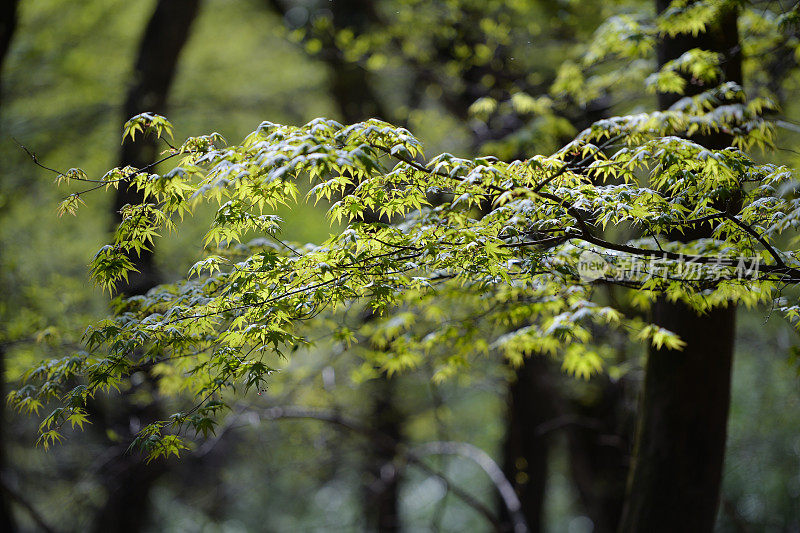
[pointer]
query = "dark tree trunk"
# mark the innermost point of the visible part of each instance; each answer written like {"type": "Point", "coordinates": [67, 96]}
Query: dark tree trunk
{"type": "Point", "coordinates": [598, 442]}
{"type": "Point", "coordinates": [161, 45]}
{"type": "Point", "coordinates": [382, 486]}
{"type": "Point", "coordinates": [8, 24]}
{"type": "Point", "coordinates": [6, 519]}
{"type": "Point", "coordinates": [353, 92]}
{"type": "Point", "coordinates": [127, 479]}
{"type": "Point", "coordinates": [531, 406]}
{"type": "Point", "coordinates": [351, 85]}
{"type": "Point", "coordinates": [680, 443]}
{"type": "Point", "coordinates": [597, 427]}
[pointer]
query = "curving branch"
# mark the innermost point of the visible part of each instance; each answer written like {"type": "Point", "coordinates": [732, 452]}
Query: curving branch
{"type": "Point", "coordinates": [492, 469]}
{"type": "Point", "coordinates": [412, 457]}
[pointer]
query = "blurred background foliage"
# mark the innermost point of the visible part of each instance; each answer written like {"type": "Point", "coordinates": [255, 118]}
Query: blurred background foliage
{"type": "Point", "coordinates": [440, 68]}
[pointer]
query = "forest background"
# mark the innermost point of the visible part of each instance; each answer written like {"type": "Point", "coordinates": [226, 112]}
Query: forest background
{"type": "Point", "coordinates": [72, 74]}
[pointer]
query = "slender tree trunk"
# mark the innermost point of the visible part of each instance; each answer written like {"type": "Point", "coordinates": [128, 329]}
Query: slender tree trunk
{"type": "Point", "coordinates": [598, 444]}
{"type": "Point", "coordinates": [127, 479]}
{"type": "Point", "coordinates": [161, 45]}
{"type": "Point", "coordinates": [353, 92]}
{"type": "Point", "coordinates": [382, 488]}
{"type": "Point", "coordinates": [680, 443]}
{"type": "Point", "coordinates": [599, 440]}
{"type": "Point", "coordinates": [530, 406]}
{"type": "Point", "coordinates": [6, 519]}
{"type": "Point", "coordinates": [597, 426]}
{"type": "Point", "coordinates": [352, 86]}
{"type": "Point", "coordinates": [8, 24]}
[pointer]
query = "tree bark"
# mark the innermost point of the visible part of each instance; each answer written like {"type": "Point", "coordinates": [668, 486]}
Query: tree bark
{"type": "Point", "coordinates": [8, 24]}
{"type": "Point", "coordinates": [598, 444]}
{"type": "Point", "coordinates": [126, 478]}
{"type": "Point", "coordinates": [680, 444]}
{"type": "Point", "coordinates": [597, 426]}
{"type": "Point", "coordinates": [353, 92]}
{"type": "Point", "coordinates": [599, 440]}
{"type": "Point", "coordinates": [382, 489]}
{"type": "Point", "coordinates": [159, 50]}
{"type": "Point", "coordinates": [531, 405]}
{"type": "Point", "coordinates": [6, 518]}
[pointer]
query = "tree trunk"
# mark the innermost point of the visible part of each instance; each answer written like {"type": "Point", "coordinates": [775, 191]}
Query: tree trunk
{"type": "Point", "coordinates": [382, 487]}
{"type": "Point", "coordinates": [353, 92]}
{"type": "Point", "coordinates": [531, 405]}
{"type": "Point", "coordinates": [599, 443]}
{"type": "Point", "coordinates": [677, 468]}
{"type": "Point", "coordinates": [6, 519]}
{"type": "Point", "coordinates": [351, 84]}
{"type": "Point", "coordinates": [597, 426]}
{"type": "Point", "coordinates": [8, 24]}
{"type": "Point", "coordinates": [680, 443]}
{"type": "Point", "coordinates": [126, 478]}
{"type": "Point", "coordinates": [161, 45]}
